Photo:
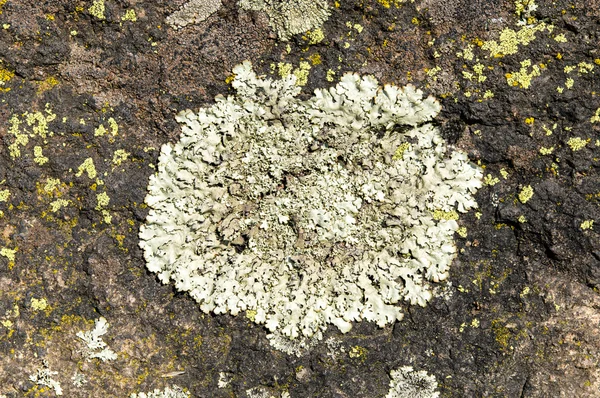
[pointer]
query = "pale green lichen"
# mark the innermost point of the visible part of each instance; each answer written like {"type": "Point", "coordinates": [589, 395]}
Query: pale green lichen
{"type": "Point", "coordinates": [301, 73]}
{"type": "Point", "coordinates": [37, 122]}
{"type": "Point", "coordinates": [408, 383]}
{"type": "Point", "coordinates": [546, 151]}
{"type": "Point", "coordinates": [288, 18]}
{"type": "Point", "coordinates": [526, 194]}
{"type": "Point", "coordinates": [587, 224]}
{"type": "Point", "coordinates": [255, 207]}
{"type": "Point", "coordinates": [194, 11]}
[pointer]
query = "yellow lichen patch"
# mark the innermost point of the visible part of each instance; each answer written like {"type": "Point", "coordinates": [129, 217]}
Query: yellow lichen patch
{"type": "Point", "coordinates": [466, 53]}
{"type": "Point", "coordinates": [301, 73]}
{"type": "Point", "coordinates": [560, 38]}
{"type": "Point", "coordinates": [504, 173]}
{"type": "Point", "coordinates": [284, 69]}
{"type": "Point", "coordinates": [37, 121]}
{"type": "Point", "coordinates": [488, 94]}
{"type": "Point", "coordinates": [8, 253]}
{"type": "Point", "coordinates": [445, 215]}
{"type": "Point", "coordinates": [523, 77]}
{"type": "Point", "coordinates": [478, 68]}
{"type": "Point", "coordinates": [88, 167]}
{"type": "Point", "coordinates": [509, 40]}
{"type": "Point", "coordinates": [114, 127]}
{"type": "Point", "coordinates": [587, 224]}
{"type": "Point", "coordinates": [315, 59]}
{"type": "Point", "coordinates": [58, 204]}
{"type": "Point", "coordinates": [330, 75]}
{"type": "Point", "coordinates": [433, 72]}
{"type": "Point", "coordinates": [51, 184]}
{"type": "Point", "coordinates": [47, 84]}
{"type": "Point", "coordinates": [119, 156]}
{"type": "Point", "coordinates": [129, 16]}
{"type": "Point", "coordinates": [522, 219]}
{"type": "Point", "coordinates": [596, 117]}
{"type": "Point", "coordinates": [462, 232]}
{"type": "Point", "coordinates": [490, 180]}
{"type": "Point", "coordinates": [38, 304]}
{"type": "Point", "coordinates": [315, 36]}
{"type": "Point", "coordinates": [529, 120]}
{"type": "Point", "coordinates": [569, 83]}
{"type": "Point", "coordinates": [526, 194]}
{"type": "Point", "coordinates": [102, 200]}
{"type": "Point", "coordinates": [546, 151]}
{"type": "Point", "coordinates": [577, 143]}
{"type": "Point", "coordinates": [389, 3]}
{"type": "Point", "coordinates": [39, 157]}
{"type": "Point", "coordinates": [358, 352]}
{"type": "Point", "coordinates": [99, 131]}
{"type": "Point", "coordinates": [4, 195]}
{"type": "Point", "coordinates": [585, 67]}
{"type": "Point", "coordinates": [97, 9]}
{"type": "Point", "coordinates": [399, 153]}
{"type": "Point", "coordinates": [5, 77]}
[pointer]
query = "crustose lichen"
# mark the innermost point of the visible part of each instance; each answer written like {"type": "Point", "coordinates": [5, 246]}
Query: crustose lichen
{"type": "Point", "coordinates": [302, 212]}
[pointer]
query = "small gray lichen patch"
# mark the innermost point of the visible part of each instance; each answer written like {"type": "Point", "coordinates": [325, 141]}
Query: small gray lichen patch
{"type": "Point", "coordinates": [193, 12]}
{"type": "Point", "coordinates": [305, 213]}
{"type": "Point", "coordinates": [290, 17]}
{"type": "Point", "coordinates": [409, 383]}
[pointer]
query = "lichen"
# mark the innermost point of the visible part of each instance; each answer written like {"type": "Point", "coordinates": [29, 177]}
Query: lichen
{"type": "Point", "coordinates": [526, 194]}
{"type": "Point", "coordinates": [297, 209]}
{"type": "Point", "coordinates": [522, 78]}
{"type": "Point", "coordinates": [577, 143]}
{"type": "Point", "coordinates": [409, 383]}
{"type": "Point", "coordinates": [194, 11]}
{"type": "Point", "coordinates": [291, 17]}
{"type": "Point", "coordinates": [87, 167]}
{"type": "Point", "coordinates": [97, 9]}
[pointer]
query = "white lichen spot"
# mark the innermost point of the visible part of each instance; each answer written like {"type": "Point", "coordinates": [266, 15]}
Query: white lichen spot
{"type": "Point", "coordinates": [95, 346]}
{"type": "Point", "coordinates": [43, 377]}
{"type": "Point", "coordinates": [409, 383]}
{"type": "Point", "coordinates": [168, 392]}
{"type": "Point", "coordinates": [297, 209]}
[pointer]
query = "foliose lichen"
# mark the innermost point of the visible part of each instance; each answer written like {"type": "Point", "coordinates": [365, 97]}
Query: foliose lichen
{"type": "Point", "coordinates": [192, 12]}
{"type": "Point", "coordinates": [409, 383]}
{"type": "Point", "coordinates": [299, 212]}
{"type": "Point", "coordinates": [290, 17]}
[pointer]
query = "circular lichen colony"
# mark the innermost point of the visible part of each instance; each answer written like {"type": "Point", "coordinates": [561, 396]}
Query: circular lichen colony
{"type": "Point", "coordinates": [308, 212]}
